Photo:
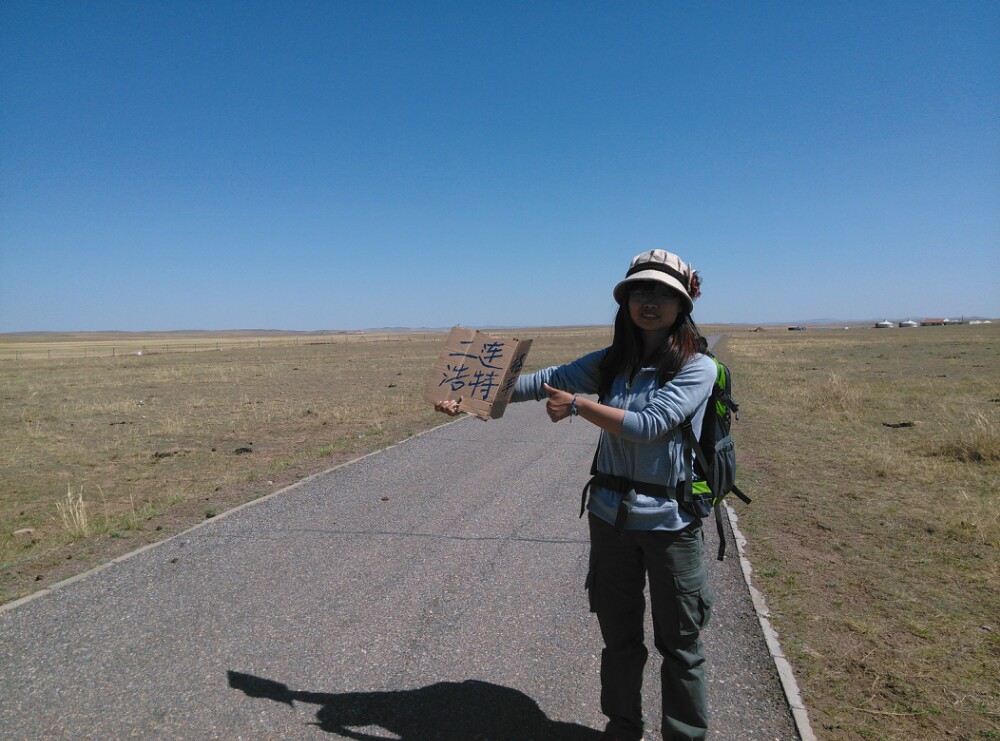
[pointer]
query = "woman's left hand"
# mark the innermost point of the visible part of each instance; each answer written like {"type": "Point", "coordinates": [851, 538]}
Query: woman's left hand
{"type": "Point", "coordinates": [560, 403]}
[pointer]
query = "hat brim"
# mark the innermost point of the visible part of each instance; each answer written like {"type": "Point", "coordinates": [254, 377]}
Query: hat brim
{"type": "Point", "coordinates": [656, 276]}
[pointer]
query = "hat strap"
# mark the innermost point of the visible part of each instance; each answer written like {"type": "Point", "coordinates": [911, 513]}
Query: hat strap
{"type": "Point", "coordinates": [662, 268]}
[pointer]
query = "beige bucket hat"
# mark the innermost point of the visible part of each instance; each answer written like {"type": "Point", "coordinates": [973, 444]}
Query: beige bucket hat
{"type": "Point", "coordinates": [663, 267]}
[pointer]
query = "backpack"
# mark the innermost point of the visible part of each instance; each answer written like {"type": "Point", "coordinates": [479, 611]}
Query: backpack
{"type": "Point", "coordinates": [710, 460]}
{"type": "Point", "coordinates": [709, 463]}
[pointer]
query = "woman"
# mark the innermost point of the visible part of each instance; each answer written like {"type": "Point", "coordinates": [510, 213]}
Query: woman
{"type": "Point", "coordinates": [651, 380]}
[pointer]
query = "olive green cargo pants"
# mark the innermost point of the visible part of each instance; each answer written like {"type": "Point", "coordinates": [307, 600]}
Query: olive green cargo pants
{"type": "Point", "coordinates": [681, 602]}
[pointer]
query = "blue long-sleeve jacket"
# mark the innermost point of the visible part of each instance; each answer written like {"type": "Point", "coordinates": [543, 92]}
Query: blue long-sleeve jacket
{"type": "Point", "coordinates": [650, 447]}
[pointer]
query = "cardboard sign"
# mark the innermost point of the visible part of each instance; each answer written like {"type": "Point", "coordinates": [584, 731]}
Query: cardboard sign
{"type": "Point", "coordinates": [479, 370]}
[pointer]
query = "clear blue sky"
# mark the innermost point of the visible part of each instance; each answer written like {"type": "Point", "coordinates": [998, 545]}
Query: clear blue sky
{"type": "Point", "coordinates": [338, 165]}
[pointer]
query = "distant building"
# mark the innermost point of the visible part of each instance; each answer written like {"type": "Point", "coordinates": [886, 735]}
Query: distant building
{"type": "Point", "coordinates": [932, 323]}
{"type": "Point", "coordinates": [884, 324]}
{"type": "Point", "coordinates": [909, 323]}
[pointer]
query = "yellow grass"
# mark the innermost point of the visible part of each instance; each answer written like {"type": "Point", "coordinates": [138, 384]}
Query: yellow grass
{"type": "Point", "coordinates": [874, 531]}
{"type": "Point", "coordinates": [871, 457]}
{"type": "Point", "coordinates": [161, 436]}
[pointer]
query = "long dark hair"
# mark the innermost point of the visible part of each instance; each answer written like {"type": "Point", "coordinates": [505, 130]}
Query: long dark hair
{"type": "Point", "coordinates": [625, 354]}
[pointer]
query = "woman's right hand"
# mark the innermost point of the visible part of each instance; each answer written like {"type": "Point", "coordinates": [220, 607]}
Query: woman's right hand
{"type": "Point", "coordinates": [448, 406]}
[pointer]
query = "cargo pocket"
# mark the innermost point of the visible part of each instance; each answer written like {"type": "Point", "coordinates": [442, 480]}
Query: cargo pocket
{"type": "Point", "coordinates": [694, 601]}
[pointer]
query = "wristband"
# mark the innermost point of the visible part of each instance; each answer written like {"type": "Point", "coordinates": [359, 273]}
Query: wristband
{"type": "Point", "coordinates": [573, 410]}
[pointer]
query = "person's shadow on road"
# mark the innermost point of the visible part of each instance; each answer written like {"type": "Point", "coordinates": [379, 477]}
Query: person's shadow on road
{"type": "Point", "coordinates": [445, 711]}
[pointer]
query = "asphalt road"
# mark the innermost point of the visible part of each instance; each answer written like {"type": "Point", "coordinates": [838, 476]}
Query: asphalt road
{"type": "Point", "coordinates": [431, 591]}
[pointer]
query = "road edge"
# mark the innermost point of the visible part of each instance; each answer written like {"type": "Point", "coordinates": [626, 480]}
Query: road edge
{"type": "Point", "coordinates": [788, 684]}
{"type": "Point", "coordinates": [44, 591]}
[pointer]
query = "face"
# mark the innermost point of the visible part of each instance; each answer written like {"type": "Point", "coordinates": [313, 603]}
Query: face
{"type": "Point", "coordinates": [653, 307]}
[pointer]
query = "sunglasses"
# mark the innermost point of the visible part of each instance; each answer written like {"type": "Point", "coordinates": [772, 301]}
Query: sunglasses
{"type": "Point", "coordinates": [653, 295]}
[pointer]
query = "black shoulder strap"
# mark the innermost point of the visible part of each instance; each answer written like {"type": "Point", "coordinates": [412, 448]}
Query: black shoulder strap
{"type": "Point", "coordinates": [693, 446]}
{"type": "Point", "coordinates": [722, 531]}
{"type": "Point", "coordinates": [590, 481]}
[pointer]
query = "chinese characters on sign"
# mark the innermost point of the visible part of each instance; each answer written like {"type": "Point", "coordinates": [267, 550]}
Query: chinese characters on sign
{"type": "Point", "coordinates": [490, 357]}
{"type": "Point", "coordinates": [479, 370]}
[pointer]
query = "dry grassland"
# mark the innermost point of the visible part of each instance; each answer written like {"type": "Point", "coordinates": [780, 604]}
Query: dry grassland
{"type": "Point", "coordinates": [101, 453]}
{"type": "Point", "coordinates": [873, 457]}
{"type": "Point", "coordinates": [63, 345]}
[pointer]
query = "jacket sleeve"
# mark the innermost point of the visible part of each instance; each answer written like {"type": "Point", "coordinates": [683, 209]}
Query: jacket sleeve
{"type": "Point", "coordinates": [579, 377]}
{"type": "Point", "coordinates": [672, 403]}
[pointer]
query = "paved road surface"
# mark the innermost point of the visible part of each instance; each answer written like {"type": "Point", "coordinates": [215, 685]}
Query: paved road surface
{"type": "Point", "coordinates": [428, 592]}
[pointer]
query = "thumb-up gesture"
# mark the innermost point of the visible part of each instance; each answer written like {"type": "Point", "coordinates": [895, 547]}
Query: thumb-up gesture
{"type": "Point", "coordinates": [560, 403]}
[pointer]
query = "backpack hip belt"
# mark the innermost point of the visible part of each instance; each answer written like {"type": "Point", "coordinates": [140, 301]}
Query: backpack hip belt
{"type": "Point", "coordinates": [622, 486]}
